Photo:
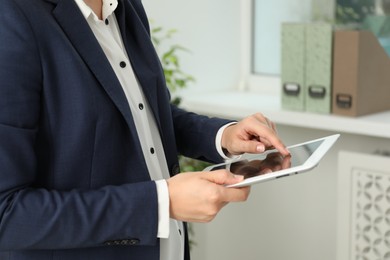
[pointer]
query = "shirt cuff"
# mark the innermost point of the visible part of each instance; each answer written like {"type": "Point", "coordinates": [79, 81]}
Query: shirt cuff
{"type": "Point", "coordinates": [218, 142]}
{"type": "Point", "coordinates": [163, 209]}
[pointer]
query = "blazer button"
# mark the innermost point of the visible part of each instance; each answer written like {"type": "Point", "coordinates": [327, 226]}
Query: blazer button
{"type": "Point", "coordinates": [125, 242]}
{"type": "Point", "coordinates": [108, 243]}
{"type": "Point", "coordinates": [175, 169]}
{"type": "Point", "coordinates": [133, 241]}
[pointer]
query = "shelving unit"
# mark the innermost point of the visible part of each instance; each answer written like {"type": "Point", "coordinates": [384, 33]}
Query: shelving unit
{"type": "Point", "coordinates": [274, 202]}
{"type": "Point", "coordinates": [236, 105]}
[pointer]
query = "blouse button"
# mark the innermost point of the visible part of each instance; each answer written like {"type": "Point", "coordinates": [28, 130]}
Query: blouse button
{"type": "Point", "coordinates": [122, 64]}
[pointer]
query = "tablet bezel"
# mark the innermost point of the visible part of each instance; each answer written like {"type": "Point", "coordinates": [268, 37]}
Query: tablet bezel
{"type": "Point", "coordinates": [310, 163]}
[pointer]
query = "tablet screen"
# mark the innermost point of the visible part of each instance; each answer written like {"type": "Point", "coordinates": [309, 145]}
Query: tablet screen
{"type": "Point", "coordinates": [252, 165]}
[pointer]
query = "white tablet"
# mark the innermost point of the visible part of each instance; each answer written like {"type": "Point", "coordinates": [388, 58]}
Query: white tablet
{"type": "Point", "coordinates": [272, 165]}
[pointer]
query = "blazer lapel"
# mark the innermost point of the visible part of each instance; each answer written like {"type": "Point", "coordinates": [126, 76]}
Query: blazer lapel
{"type": "Point", "coordinates": [76, 28]}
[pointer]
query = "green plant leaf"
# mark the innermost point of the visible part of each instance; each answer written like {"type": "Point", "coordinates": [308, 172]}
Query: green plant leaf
{"type": "Point", "coordinates": [170, 60]}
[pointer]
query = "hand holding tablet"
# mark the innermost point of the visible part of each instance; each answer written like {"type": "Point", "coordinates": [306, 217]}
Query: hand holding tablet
{"type": "Point", "coordinates": [272, 164]}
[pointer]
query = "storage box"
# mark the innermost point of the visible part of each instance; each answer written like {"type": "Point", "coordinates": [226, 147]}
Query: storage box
{"type": "Point", "coordinates": [361, 74]}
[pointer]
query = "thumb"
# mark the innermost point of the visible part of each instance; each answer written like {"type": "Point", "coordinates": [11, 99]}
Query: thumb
{"type": "Point", "coordinates": [251, 146]}
{"type": "Point", "coordinates": [222, 177]}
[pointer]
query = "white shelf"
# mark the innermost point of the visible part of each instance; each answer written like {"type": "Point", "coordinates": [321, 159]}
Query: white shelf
{"type": "Point", "coordinates": [236, 105]}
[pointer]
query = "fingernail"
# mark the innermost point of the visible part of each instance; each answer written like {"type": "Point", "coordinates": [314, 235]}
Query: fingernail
{"type": "Point", "coordinates": [260, 148]}
{"type": "Point", "coordinates": [239, 177]}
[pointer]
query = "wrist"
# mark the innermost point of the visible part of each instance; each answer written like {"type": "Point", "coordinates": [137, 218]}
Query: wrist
{"type": "Point", "coordinates": [222, 139]}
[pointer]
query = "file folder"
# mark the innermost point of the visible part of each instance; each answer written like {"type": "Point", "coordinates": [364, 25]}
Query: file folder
{"type": "Point", "coordinates": [319, 41]}
{"type": "Point", "coordinates": [293, 66]}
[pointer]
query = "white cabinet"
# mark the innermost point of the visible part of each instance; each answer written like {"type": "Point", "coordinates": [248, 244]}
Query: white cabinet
{"type": "Point", "coordinates": [363, 206]}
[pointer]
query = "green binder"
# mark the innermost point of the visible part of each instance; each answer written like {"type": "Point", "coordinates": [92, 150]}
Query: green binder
{"type": "Point", "coordinates": [319, 38]}
{"type": "Point", "coordinates": [293, 66]}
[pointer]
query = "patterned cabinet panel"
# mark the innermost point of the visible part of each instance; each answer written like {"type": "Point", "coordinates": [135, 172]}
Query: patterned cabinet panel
{"type": "Point", "coordinates": [363, 207]}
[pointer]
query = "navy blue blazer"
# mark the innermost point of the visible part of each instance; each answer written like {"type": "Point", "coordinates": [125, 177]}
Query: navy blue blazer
{"type": "Point", "coordinates": [73, 180]}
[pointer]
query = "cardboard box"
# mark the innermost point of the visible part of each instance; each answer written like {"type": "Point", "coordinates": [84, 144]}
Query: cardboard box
{"type": "Point", "coordinates": [361, 74]}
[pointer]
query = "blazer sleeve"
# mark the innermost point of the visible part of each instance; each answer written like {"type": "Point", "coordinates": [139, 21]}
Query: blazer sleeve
{"type": "Point", "coordinates": [37, 218]}
{"type": "Point", "coordinates": [195, 134]}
